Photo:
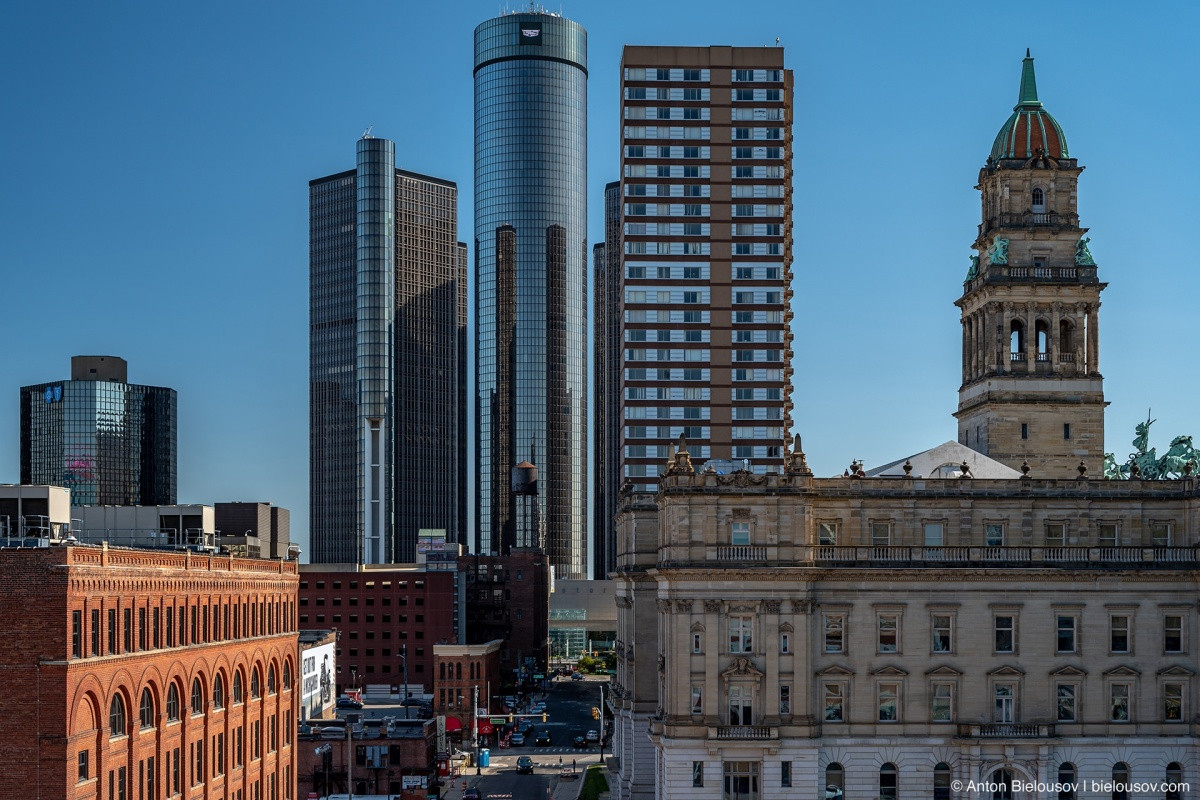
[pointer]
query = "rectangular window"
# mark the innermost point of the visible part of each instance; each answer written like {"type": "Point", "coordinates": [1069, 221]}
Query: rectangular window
{"type": "Point", "coordinates": [785, 642]}
{"type": "Point", "coordinates": [828, 533]}
{"type": "Point", "coordinates": [993, 534]}
{"type": "Point", "coordinates": [933, 534]}
{"type": "Point", "coordinates": [143, 630]}
{"type": "Point", "coordinates": [1173, 702]}
{"type": "Point", "coordinates": [83, 772]}
{"type": "Point", "coordinates": [942, 626]}
{"type": "Point", "coordinates": [697, 643]}
{"type": "Point", "coordinates": [1005, 628]}
{"type": "Point", "coordinates": [835, 630]}
{"type": "Point", "coordinates": [889, 696]}
{"type": "Point", "coordinates": [785, 773]}
{"type": "Point", "coordinates": [112, 630]}
{"type": "Point", "coordinates": [739, 533]}
{"type": "Point", "coordinates": [1118, 705]}
{"type": "Point", "coordinates": [785, 699]}
{"type": "Point", "coordinates": [1118, 634]}
{"type": "Point", "coordinates": [1160, 534]}
{"type": "Point", "coordinates": [1067, 708]}
{"type": "Point", "coordinates": [1173, 633]}
{"type": "Point", "coordinates": [95, 637]}
{"type": "Point", "coordinates": [1004, 696]}
{"type": "Point", "coordinates": [157, 626]}
{"type": "Point", "coordinates": [889, 633]}
{"type": "Point", "coordinates": [942, 702]}
{"type": "Point", "coordinates": [1056, 534]}
{"type": "Point", "coordinates": [1066, 430]}
{"type": "Point", "coordinates": [741, 780]}
{"type": "Point", "coordinates": [1066, 626]}
{"type": "Point", "coordinates": [881, 534]}
{"type": "Point", "coordinates": [740, 634]}
{"type": "Point", "coordinates": [1109, 535]}
{"type": "Point", "coordinates": [697, 773]}
{"type": "Point", "coordinates": [76, 634]}
{"type": "Point", "coordinates": [835, 702]}
{"type": "Point", "coordinates": [1024, 430]}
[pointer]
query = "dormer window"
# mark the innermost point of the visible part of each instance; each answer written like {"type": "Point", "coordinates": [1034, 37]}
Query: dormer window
{"type": "Point", "coordinates": [1039, 201]}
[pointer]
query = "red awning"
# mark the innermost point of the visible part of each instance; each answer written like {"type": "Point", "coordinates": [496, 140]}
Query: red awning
{"type": "Point", "coordinates": [485, 727]}
{"type": "Point", "coordinates": [453, 724]}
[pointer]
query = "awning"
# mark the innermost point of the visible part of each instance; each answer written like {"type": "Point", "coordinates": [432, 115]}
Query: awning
{"type": "Point", "coordinates": [453, 724]}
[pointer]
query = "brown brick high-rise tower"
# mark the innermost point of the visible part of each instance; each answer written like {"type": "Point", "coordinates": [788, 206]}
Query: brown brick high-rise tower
{"type": "Point", "coordinates": [1032, 390]}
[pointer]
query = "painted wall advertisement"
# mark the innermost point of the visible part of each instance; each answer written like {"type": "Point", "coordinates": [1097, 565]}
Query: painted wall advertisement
{"type": "Point", "coordinates": [317, 681]}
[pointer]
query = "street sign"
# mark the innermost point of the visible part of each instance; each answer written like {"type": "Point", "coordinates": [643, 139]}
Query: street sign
{"type": "Point", "coordinates": [498, 720]}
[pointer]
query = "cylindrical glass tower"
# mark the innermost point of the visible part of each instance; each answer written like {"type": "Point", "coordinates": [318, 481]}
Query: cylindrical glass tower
{"type": "Point", "coordinates": [375, 260]}
{"type": "Point", "coordinates": [530, 260]}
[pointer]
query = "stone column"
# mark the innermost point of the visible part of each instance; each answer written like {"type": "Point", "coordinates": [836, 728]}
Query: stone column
{"type": "Point", "coordinates": [1006, 338]}
{"type": "Point", "coordinates": [1094, 339]}
{"type": "Point", "coordinates": [712, 661]}
{"type": "Point", "coordinates": [769, 614]}
{"type": "Point", "coordinates": [1052, 346]}
{"type": "Point", "coordinates": [1030, 337]}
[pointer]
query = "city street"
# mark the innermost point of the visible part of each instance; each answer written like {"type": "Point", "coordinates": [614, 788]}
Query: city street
{"type": "Point", "coordinates": [569, 708]}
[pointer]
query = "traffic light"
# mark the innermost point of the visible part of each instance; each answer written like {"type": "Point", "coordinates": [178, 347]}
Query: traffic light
{"type": "Point", "coordinates": [510, 719]}
{"type": "Point", "coordinates": [544, 716]}
{"type": "Point", "coordinates": [595, 713]}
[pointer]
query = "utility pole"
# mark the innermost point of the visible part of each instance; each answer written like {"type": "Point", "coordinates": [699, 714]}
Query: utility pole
{"type": "Point", "coordinates": [475, 703]}
{"type": "Point", "coordinates": [404, 666]}
{"type": "Point", "coordinates": [350, 759]}
{"type": "Point", "coordinates": [602, 723]}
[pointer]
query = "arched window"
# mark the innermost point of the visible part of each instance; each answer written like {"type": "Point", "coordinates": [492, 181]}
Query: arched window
{"type": "Point", "coordinates": [197, 697]}
{"type": "Point", "coordinates": [255, 685]}
{"type": "Point", "coordinates": [1174, 777]}
{"type": "Point", "coordinates": [173, 703]}
{"type": "Point", "coordinates": [146, 709]}
{"type": "Point", "coordinates": [1016, 339]}
{"type": "Point", "coordinates": [1039, 201]}
{"type": "Point", "coordinates": [1003, 779]}
{"type": "Point", "coordinates": [271, 686]}
{"type": "Point", "coordinates": [941, 781]}
{"type": "Point", "coordinates": [218, 691]}
{"type": "Point", "coordinates": [887, 782]}
{"type": "Point", "coordinates": [835, 782]}
{"type": "Point", "coordinates": [237, 686]}
{"type": "Point", "coordinates": [287, 675]}
{"type": "Point", "coordinates": [1066, 777]}
{"type": "Point", "coordinates": [1120, 779]}
{"type": "Point", "coordinates": [116, 716]}
{"type": "Point", "coordinates": [1043, 339]}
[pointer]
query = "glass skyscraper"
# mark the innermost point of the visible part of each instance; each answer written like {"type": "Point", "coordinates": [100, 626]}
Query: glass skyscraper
{"type": "Point", "coordinates": [109, 441]}
{"type": "Point", "coordinates": [530, 260]}
{"type": "Point", "coordinates": [387, 328]}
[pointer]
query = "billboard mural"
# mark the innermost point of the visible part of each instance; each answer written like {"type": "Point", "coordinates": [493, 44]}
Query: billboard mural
{"type": "Point", "coordinates": [316, 675]}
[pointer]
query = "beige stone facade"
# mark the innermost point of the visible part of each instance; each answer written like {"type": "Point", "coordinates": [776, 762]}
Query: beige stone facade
{"type": "Point", "coordinates": [1028, 625]}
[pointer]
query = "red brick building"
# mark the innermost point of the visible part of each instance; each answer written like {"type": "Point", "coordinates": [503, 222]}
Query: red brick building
{"type": "Point", "coordinates": [461, 669]}
{"type": "Point", "coordinates": [508, 598]}
{"type": "Point", "coordinates": [136, 674]}
{"type": "Point", "coordinates": [377, 609]}
{"type": "Point", "coordinates": [404, 758]}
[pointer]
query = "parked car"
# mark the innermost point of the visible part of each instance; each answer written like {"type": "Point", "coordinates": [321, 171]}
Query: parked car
{"type": "Point", "coordinates": [593, 736]}
{"type": "Point", "coordinates": [517, 739]}
{"type": "Point", "coordinates": [525, 765]}
{"type": "Point", "coordinates": [349, 702]}
{"type": "Point", "coordinates": [473, 794]}
{"type": "Point", "coordinates": [579, 742]}
{"type": "Point", "coordinates": [526, 726]}
{"type": "Point", "coordinates": [542, 738]}
{"type": "Point", "coordinates": [576, 676]}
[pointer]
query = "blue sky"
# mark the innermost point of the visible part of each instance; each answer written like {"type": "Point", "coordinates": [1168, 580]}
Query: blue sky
{"type": "Point", "coordinates": [156, 158]}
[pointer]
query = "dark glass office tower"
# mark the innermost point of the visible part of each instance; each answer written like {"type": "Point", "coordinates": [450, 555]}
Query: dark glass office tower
{"type": "Point", "coordinates": [387, 355]}
{"type": "Point", "coordinates": [109, 441]}
{"type": "Point", "coordinates": [530, 259]}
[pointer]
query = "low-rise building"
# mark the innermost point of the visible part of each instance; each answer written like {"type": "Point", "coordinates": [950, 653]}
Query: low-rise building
{"type": "Point", "coordinates": [318, 666]}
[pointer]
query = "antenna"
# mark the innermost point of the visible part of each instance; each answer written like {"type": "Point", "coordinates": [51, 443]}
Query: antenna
{"type": "Point", "coordinates": [367, 132]}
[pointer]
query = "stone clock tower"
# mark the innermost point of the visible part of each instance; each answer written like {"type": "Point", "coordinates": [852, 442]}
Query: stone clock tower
{"type": "Point", "coordinates": [1031, 385]}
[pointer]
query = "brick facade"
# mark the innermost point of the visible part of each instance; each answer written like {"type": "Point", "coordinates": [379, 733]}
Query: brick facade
{"type": "Point", "coordinates": [138, 674]}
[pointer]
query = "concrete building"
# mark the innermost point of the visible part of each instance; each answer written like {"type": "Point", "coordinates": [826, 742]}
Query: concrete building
{"type": "Point", "coordinates": [148, 674]}
{"type": "Point", "coordinates": [706, 160]}
{"type": "Point", "coordinates": [387, 334]}
{"type": "Point", "coordinates": [929, 629]}
{"type": "Point", "coordinates": [531, 253]}
{"type": "Point", "coordinates": [583, 617]}
{"type": "Point", "coordinates": [107, 440]}
{"type": "Point", "coordinates": [255, 530]}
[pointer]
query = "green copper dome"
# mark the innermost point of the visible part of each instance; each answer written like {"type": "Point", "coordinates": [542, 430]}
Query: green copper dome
{"type": "Point", "coordinates": [1030, 131]}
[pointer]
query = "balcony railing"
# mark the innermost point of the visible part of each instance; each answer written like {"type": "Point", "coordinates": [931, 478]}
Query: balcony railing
{"type": "Point", "coordinates": [1006, 730]}
{"type": "Point", "coordinates": [741, 552]}
{"type": "Point", "coordinates": [973, 554]}
{"type": "Point", "coordinates": [755, 732]}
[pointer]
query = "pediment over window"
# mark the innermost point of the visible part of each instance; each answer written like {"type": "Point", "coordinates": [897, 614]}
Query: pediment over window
{"type": "Point", "coordinates": [890, 672]}
{"type": "Point", "coordinates": [742, 668]}
{"type": "Point", "coordinates": [1175, 671]}
{"type": "Point", "coordinates": [697, 627]}
{"type": "Point", "coordinates": [1069, 672]}
{"type": "Point", "coordinates": [944, 670]}
{"type": "Point", "coordinates": [836, 671]}
{"type": "Point", "coordinates": [1007, 671]}
{"type": "Point", "coordinates": [1121, 672]}
{"type": "Point", "coordinates": [786, 628]}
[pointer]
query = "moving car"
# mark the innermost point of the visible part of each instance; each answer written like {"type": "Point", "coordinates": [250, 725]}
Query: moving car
{"type": "Point", "coordinates": [542, 738]}
{"type": "Point", "coordinates": [576, 676]}
{"type": "Point", "coordinates": [349, 702]}
{"type": "Point", "coordinates": [517, 739]}
{"type": "Point", "coordinates": [579, 742]}
{"type": "Point", "coordinates": [593, 736]}
{"type": "Point", "coordinates": [473, 794]}
{"type": "Point", "coordinates": [525, 765]}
